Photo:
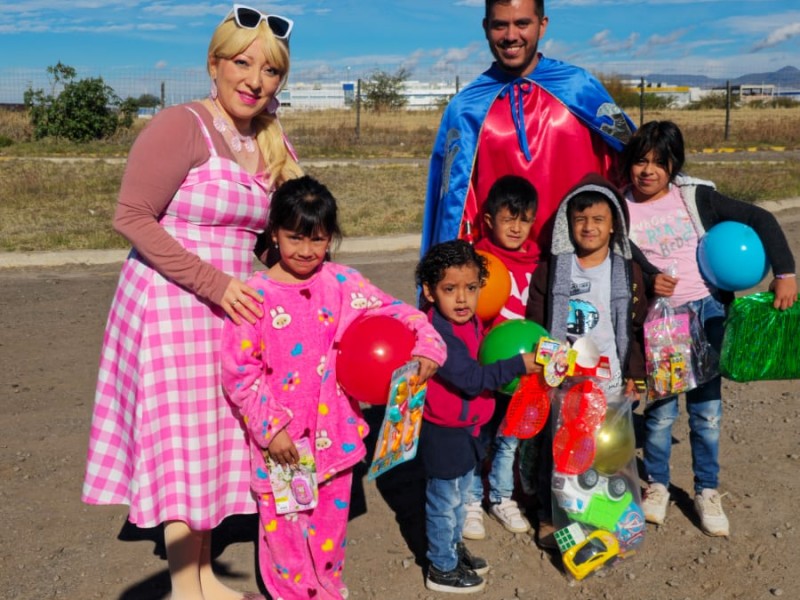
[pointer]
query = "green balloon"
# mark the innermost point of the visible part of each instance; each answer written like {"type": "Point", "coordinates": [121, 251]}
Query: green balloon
{"type": "Point", "coordinates": [515, 336]}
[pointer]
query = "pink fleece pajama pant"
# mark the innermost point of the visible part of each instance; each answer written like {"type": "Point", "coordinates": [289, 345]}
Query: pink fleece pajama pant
{"type": "Point", "coordinates": [301, 555]}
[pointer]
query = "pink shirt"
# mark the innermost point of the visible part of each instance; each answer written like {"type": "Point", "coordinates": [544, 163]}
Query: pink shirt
{"type": "Point", "coordinates": [664, 232]}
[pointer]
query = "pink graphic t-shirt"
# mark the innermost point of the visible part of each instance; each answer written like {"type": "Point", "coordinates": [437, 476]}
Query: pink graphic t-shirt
{"type": "Point", "coordinates": [664, 232]}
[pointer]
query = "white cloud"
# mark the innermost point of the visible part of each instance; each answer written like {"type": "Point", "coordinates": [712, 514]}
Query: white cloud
{"type": "Point", "coordinates": [780, 35]}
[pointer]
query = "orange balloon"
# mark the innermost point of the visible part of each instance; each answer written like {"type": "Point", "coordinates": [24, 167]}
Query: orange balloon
{"type": "Point", "coordinates": [494, 294]}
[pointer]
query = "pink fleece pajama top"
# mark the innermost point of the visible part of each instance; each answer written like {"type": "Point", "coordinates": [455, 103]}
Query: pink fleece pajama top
{"type": "Point", "coordinates": [281, 372]}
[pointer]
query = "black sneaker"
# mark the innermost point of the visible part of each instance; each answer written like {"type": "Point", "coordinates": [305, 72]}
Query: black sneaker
{"type": "Point", "coordinates": [474, 563]}
{"type": "Point", "coordinates": [457, 581]}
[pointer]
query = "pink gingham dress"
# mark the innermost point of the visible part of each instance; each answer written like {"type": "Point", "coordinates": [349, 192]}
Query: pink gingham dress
{"type": "Point", "coordinates": [164, 439]}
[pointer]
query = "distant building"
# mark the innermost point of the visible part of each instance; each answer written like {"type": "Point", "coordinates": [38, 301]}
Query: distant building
{"type": "Point", "coordinates": [679, 95]}
{"type": "Point", "coordinates": [316, 96]}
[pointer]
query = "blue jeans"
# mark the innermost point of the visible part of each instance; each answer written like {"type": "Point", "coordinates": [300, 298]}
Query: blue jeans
{"type": "Point", "coordinates": [503, 450]}
{"type": "Point", "coordinates": [704, 406]}
{"type": "Point", "coordinates": [444, 518]}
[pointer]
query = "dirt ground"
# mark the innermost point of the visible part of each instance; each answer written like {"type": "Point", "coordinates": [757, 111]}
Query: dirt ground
{"type": "Point", "coordinates": [52, 546]}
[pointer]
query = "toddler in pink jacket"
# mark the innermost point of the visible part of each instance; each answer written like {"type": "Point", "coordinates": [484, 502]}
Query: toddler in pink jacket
{"type": "Point", "coordinates": [280, 373]}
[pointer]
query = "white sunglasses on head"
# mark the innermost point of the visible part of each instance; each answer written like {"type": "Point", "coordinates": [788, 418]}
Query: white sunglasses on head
{"type": "Point", "coordinates": [247, 17]}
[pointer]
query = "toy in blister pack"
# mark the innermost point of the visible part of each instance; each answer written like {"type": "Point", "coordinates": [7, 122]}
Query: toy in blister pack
{"type": "Point", "coordinates": [398, 437]}
{"type": "Point", "coordinates": [295, 486]}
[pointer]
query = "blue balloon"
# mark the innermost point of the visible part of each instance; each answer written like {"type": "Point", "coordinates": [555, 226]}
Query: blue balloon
{"type": "Point", "coordinates": [731, 256]}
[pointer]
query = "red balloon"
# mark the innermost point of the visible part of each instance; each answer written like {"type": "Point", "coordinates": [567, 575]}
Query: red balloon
{"type": "Point", "coordinates": [371, 348]}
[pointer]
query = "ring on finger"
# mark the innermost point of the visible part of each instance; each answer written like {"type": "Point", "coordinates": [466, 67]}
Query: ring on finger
{"type": "Point", "coordinates": [234, 303]}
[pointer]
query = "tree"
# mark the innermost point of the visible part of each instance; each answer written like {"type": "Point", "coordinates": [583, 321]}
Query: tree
{"type": "Point", "coordinates": [83, 109]}
{"type": "Point", "coordinates": [148, 101]}
{"type": "Point", "coordinates": [383, 91]}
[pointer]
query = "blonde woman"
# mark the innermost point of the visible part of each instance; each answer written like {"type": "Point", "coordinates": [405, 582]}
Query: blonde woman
{"type": "Point", "coordinates": [194, 197]}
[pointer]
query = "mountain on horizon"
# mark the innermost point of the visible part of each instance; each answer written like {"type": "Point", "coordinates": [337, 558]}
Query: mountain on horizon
{"type": "Point", "coordinates": [786, 77]}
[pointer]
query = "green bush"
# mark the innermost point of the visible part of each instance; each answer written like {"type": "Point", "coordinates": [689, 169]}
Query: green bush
{"type": "Point", "coordinates": [84, 110]}
{"type": "Point", "coordinates": [383, 91]}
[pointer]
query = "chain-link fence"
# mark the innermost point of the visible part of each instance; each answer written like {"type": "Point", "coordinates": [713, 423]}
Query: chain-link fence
{"type": "Point", "coordinates": [427, 84]}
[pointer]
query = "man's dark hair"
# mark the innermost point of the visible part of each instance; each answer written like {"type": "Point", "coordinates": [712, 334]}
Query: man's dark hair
{"type": "Point", "coordinates": [539, 6]}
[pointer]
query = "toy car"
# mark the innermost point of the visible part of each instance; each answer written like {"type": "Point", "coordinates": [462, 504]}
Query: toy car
{"type": "Point", "coordinates": [596, 550]}
{"type": "Point", "coordinates": [592, 498]}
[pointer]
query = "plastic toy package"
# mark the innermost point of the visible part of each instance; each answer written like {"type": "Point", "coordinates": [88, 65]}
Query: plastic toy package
{"type": "Point", "coordinates": [295, 487]}
{"type": "Point", "coordinates": [761, 342]}
{"type": "Point", "coordinates": [398, 437]}
{"type": "Point", "coordinates": [677, 354]}
{"type": "Point", "coordinates": [595, 486]}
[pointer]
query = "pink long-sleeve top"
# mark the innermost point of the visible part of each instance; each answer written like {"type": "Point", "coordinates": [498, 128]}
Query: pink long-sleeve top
{"type": "Point", "coordinates": [165, 151]}
{"type": "Point", "coordinates": [281, 372]}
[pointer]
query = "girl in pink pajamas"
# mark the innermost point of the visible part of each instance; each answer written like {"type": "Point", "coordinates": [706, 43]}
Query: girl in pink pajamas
{"type": "Point", "coordinates": [281, 374]}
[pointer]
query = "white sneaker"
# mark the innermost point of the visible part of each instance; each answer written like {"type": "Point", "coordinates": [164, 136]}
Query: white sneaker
{"type": "Point", "coordinates": [473, 523]}
{"type": "Point", "coordinates": [708, 505]}
{"type": "Point", "coordinates": [654, 505]}
{"type": "Point", "coordinates": [507, 512]}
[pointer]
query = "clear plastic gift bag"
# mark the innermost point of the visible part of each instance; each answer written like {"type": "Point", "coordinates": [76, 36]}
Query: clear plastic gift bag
{"type": "Point", "coordinates": [595, 486]}
{"type": "Point", "coordinates": [678, 355]}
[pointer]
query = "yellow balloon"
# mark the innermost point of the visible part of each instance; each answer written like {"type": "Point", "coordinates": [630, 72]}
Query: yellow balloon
{"type": "Point", "coordinates": [615, 442]}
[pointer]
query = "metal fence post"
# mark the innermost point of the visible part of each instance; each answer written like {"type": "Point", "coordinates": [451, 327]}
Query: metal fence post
{"type": "Point", "coordinates": [641, 102]}
{"type": "Point", "coordinates": [727, 109]}
{"type": "Point", "coordinates": [358, 109]}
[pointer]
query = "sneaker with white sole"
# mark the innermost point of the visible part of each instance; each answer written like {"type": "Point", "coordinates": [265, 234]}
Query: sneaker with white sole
{"type": "Point", "coordinates": [507, 512]}
{"type": "Point", "coordinates": [458, 581]}
{"type": "Point", "coordinates": [467, 560]}
{"type": "Point", "coordinates": [655, 502]}
{"type": "Point", "coordinates": [713, 521]}
{"type": "Point", "coordinates": [473, 523]}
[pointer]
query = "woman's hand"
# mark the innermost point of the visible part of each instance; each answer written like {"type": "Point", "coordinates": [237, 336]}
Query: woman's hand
{"type": "Point", "coordinates": [427, 368]}
{"type": "Point", "coordinates": [282, 449]}
{"type": "Point", "coordinates": [240, 300]}
{"type": "Point", "coordinates": [785, 290]}
{"type": "Point", "coordinates": [664, 285]}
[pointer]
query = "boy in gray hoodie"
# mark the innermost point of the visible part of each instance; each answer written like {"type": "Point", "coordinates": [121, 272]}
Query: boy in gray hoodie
{"type": "Point", "coordinates": [590, 287]}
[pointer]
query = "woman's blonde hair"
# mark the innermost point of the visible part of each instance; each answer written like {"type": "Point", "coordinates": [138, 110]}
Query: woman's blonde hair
{"type": "Point", "coordinates": [229, 40]}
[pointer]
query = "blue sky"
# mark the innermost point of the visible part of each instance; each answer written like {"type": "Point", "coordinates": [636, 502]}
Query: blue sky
{"type": "Point", "coordinates": [334, 38]}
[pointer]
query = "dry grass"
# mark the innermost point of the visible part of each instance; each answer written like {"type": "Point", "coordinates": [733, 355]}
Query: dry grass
{"type": "Point", "coordinates": [380, 200]}
{"type": "Point", "coordinates": [54, 206]}
{"type": "Point", "coordinates": [68, 205]}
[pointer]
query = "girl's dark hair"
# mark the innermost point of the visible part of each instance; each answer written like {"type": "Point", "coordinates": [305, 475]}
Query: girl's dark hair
{"type": "Point", "coordinates": [306, 206]}
{"type": "Point", "coordinates": [515, 193]}
{"type": "Point", "coordinates": [439, 258]}
{"type": "Point", "coordinates": [664, 138]}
